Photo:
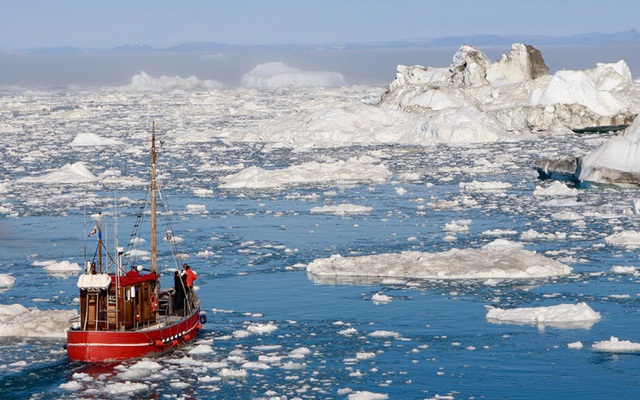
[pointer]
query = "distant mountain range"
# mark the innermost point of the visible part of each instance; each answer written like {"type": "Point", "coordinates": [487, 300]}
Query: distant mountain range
{"type": "Point", "coordinates": [594, 38]}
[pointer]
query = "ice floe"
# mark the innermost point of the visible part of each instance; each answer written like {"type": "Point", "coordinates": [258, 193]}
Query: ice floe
{"type": "Point", "coordinates": [352, 171]}
{"type": "Point", "coordinates": [561, 316]}
{"type": "Point", "coordinates": [19, 321]}
{"type": "Point", "coordinates": [67, 174]}
{"type": "Point", "coordinates": [615, 345]}
{"type": "Point", "coordinates": [492, 261]}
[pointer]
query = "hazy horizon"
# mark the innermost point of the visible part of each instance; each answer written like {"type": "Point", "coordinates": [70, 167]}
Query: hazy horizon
{"type": "Point", "coordinates": [359, 66]}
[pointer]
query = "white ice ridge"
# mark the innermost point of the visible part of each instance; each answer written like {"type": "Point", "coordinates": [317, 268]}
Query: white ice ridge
{"type": "Point", "coordinates": [497, 262]}
{"type": "Point", "coordinates": [356, 170]}
{"type": "Point", "coordinates": [568, 315]}
{"type": "Point", "coordinates": [19, 321]}
{"type": "Point", "coordinates": [277, 74]}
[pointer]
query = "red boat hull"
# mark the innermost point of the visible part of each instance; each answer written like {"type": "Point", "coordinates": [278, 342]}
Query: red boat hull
{"type": "Point", "coordinates": [108, 346]}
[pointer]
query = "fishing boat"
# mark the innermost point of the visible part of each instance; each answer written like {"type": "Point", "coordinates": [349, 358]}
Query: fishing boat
{"type": "Point", "coordinates": [125, 314]}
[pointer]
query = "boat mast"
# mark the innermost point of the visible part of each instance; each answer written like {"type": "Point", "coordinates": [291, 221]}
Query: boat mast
{"type": "Point", "coordinates": [154, 187]}
{"type": "Point", "coordinates": [99, 229]}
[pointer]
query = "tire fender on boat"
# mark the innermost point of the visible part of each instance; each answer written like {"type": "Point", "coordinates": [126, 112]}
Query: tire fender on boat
{"type": "Point", "coordinates": [203, 319]}
{"type": "Point", "coordinates": [158, 343]}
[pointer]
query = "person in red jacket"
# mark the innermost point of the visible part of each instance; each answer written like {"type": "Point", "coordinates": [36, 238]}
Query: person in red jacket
{"type": "Point", "coordinates": [189, 276]}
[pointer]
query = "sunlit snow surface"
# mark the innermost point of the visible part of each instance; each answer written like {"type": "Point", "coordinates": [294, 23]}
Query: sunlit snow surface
{"type": "Point", "coordinates": [275, 333]}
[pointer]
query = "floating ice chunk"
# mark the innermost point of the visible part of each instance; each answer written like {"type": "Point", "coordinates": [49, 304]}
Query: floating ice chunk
{"type": "Point", "coordinates": [381, 298]}
{"type": "Point", "coordinates": [342, 209]}
{"type": "Point", "coordinates": [365, 355]}
{"type": "Point", "coordinates": [91, 139]}
{"type": "Point", "coordinates": [615, 345]}
{"type": "Point", "coordinates": [557, 188]}
{"type": "Point", "coordinates": [201, 192]}
{"type": "Point", "coordinates": [255, 365]}
{"type": "Point", "coordinates": [69, 173]}
{"type": "Point", "coordinates": [62, 266]}
{"type": "Point", "coordinates": [300, 352]}
{"type": "Point", "coordinates": [575, 345]}
{"type": "Point", "coordinates": [383, 334]}
{"type": "Point", "coordinates": [201, 349]}
{"type": "Point", "coordinates": [476, 186]}
{"type": "Point", "coordinates": [18, 321]}
{"type": "Point", "coordinates": [72, 386]}
{"type": "Point", "coordinates": [196, 208]}
{"type": "Point", "coordinates": [366, 395]}
{"type": "Point", "coordinates": [6, 280]}
{"type": "Point", "coordinates": [140, 370]}
{"type": "Point", "coordinates": [626, 238]}
{"type": "Point", "coordinates": [261, 328]}
{"type": "Point", "coordinates": [618, 269]}
{"type": "Point", "coordinates": [561, 316]}
{"type": "Point", "coordinates": [502, 244]}
{"type": "Point", "coordinates": [354, 170]}
{"type": "Point", "coordinates": [277, 74]}
{"type": "Point", "coordinates": [290, 365]}
{"type": "Point", "coordinates": [532, 234]}
{"type": "Point", "coordinates": [125, 387]}
{"type": "Point", "coordinates": [499, 260]}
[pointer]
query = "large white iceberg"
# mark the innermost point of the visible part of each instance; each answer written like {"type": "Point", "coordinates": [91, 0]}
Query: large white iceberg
{"type": "Point", "coordinates": [517, 91]}
{"type": "Point", "coordinates": [617, 160]}
{"type": "Point", "coordinates": [277, 74]}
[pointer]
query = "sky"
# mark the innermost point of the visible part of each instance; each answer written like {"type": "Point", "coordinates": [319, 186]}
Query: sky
{"type": "Point", "coordinates": [104, 24]}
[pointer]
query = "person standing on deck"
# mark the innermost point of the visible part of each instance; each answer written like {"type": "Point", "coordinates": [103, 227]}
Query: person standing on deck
{"type": "Point", "coordinates": [189, 277]}
{"type": "Point", "coordinates": [179, 286]}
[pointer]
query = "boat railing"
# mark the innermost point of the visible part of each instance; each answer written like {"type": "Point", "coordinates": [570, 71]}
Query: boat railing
{"type": "Point", "coordinates": [163, 316]}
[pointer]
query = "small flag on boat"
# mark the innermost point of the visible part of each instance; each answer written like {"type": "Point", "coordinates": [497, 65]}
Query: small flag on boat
{"type": "Point", "coordinates": [93, 231]}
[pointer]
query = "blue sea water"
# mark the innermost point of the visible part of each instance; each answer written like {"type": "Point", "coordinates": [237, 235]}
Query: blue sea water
{"type": "Point", "coordinates": [330, 339]}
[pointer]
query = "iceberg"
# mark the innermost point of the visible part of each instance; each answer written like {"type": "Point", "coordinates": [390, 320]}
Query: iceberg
{"type": "Point", "coordinates": [615, 161]}
{"type": "Point", "coordinates": [277, 74]}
